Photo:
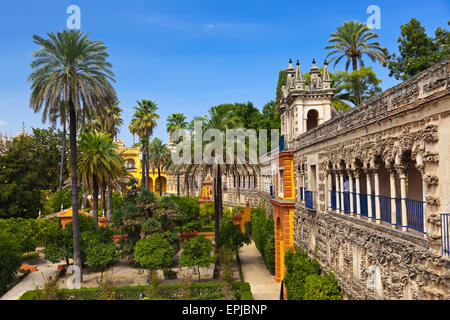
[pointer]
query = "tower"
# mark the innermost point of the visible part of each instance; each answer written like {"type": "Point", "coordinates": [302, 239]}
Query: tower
{"type": "Point", "coordinates": [305, 104]}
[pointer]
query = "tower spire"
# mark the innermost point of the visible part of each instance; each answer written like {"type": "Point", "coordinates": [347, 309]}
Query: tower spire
{"type": "Point", "coordinates": [298, 76]}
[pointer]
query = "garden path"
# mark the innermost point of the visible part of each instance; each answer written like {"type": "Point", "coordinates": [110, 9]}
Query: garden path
{"type": "Point", "coordinates": [34, 279]}
{"type": "Point", "coordinates": [255, 272]}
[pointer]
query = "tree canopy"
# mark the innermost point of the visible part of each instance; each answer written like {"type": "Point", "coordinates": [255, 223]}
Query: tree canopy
{"type": "Point", "coordinates": [417, 51]}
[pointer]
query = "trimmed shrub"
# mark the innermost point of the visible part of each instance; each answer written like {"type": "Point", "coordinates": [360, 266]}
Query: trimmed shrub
{"type": "Point", "coordinates": [269, 253]}
{"type": "Point", "coordinates": [263, 231]}
{"type": "Point", "coordinates": [303, 280]}
{"type": "Point", "coordinates": [200, 291]}
{"type": "Point", "coordinates": [321, 288]}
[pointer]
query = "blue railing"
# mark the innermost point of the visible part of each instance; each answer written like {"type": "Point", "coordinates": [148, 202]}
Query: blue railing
{"type": "Point", "coordinates": [414, 214]}
{"type": "Point", "coordinates": [333, 200]}
{"type": "Point", "coordinates": [310, 199]}
{"type": "Point", "coordinates": [385, 208]}
{"type": "Point", "coordinates": [363, 205]}
{"type": "Point", "coordinates": [355, 204]}
{"type": "Point", "coordinates": [302, 190]}
{"type": "Point", "coordinates": [445, 235]}
{"type": "Point", "coordinates": [414, 208]}
{"type": "Point", "coordinates": [346, 196]}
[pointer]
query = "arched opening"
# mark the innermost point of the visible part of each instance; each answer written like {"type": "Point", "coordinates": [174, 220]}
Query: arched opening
{"type": "Point", "coordinates": [163, 184]}
{"type": "Point", "coordinates": [150, 184]}
{"type": "Point", "coordinates": [312, 120]}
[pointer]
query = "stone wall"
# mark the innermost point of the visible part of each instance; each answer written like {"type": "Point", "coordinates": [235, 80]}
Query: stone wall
{"type": "Point", "coordinates": [398, 129]}
{"type": "Point", "coordinates": [370, 261]}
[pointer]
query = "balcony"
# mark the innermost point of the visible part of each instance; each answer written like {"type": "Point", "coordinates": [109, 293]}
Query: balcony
{"type": "Point", "coordinates": [340, 202]}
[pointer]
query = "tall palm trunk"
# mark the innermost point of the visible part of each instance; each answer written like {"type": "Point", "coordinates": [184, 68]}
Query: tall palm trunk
{"type": "Point", "coordinates": [103, 205]}
{"type": "Point", "coordinates": [354, 63]}
{"type": "Point", "coordinates": [63, 154]}
{"type": "Point", "coordinates": [160, 182]}
{"type": "Point", "coordinates": [143, 184]}
{"type": "Point", "coordinates": [95, 199]}
{"type": "Point", "coordinates": [110, 202]}
{"type": "Point", "coordinates": [73, 171]}
{"type": "Point", "coordinates": [217, 217]}
{"type": "Point", "coordinates": [147, 171]}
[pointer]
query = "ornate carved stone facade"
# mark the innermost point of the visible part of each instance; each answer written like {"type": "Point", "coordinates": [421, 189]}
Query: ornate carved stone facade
{"type": "Point", "coordinates": [381, 175]}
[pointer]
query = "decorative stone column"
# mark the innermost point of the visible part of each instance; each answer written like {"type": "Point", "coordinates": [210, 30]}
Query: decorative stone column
{"type": "Point", "coordinates": [338, 189]}
{"type": "Point", "coordinates": [377, 198]}
{"type": "Point", "coordinates": [330, 187]}
{"type": "Point", "coordinates": [341, 179]}
{"type": "Point", "coordinates": [369, 193]}
{"type": "Point", "coordinates": [393, 195]}
{"type": "Point", "coordinates": [402, 176]}
{"type": "Point", "coordinates": [350, 181]}
{"type": "Point", "coordinates": [358, 191]}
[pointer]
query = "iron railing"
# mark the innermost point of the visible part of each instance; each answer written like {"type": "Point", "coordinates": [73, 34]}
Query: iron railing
{"type": "Point", "coordinates": [414, 208]}
{"type": "Point", "coordinates": [445, 235]}
{"type": "Point", "coordinates": [311, 199]}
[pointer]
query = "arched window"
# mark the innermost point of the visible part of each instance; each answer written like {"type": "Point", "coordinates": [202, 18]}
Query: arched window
{"type": "Point", "coordinates": [130, 164]}
{"type": "Point", "coordinates": [312, 119]}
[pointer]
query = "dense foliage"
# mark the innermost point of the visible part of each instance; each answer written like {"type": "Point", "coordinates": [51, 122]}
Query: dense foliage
{"type": "Point", "coordinates": [197, 253]}
{"type": "Point", "coordinates": [27, 167]}
{"type": "Point", "coordinates": [263, 235]}
{"type": "Point", "coordinates": [231, 236]}
{"type": "Point", "coordinates": [303, 280]}
{"type": "Point", "coordinates": [200, 291]}
{"type": "Point", "coordinates": [154, 253]}
{"type": "Point", "coordinates": [10, 260]}
{"type": "Point", "coordinates": [417, 51]}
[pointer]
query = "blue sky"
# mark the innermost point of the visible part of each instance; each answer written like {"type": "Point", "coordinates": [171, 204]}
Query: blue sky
{"type": "Point", "coordinates": [191, 55]}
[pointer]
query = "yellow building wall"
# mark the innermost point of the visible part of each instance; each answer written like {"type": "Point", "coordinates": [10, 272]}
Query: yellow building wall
{"type": "Point", "coordinates": [136, 172]}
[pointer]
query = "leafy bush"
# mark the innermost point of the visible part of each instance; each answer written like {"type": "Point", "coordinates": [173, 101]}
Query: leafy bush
{"type": "Point", "coordinates": [197, 253]}
{"type": "Point", "coordinates": [55, 200]}
{"type": "Point", "coordinates": [231, 236]}
{"type": "Point", "coordinates": [10, 261]}
{"type": "Point", "coordinates": [303, 280]}
{"type": "Point", "coordinates": [322, 288]}
{"type": "Point", "coordinates": [262, 231]}
{"type": "Point", "coordinates": [154, 253]}
{"type": "Point", "coordinates": [101, 256]}
{"type": "Point", "coordinates": [269, 253]}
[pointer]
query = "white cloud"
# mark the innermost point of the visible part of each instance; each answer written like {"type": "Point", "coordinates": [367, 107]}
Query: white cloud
{"type": "Point", "coordinates": [3, 123]}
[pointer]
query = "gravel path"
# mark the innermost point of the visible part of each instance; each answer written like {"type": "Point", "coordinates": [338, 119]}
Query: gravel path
{"type": "Point", "coordinates": [255, 272]}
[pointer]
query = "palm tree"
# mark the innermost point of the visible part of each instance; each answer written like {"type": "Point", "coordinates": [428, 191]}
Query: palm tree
{"type": "Point", "coordinates": [159, 154]}
{"type": "Point", "coordinates": [220, 120]}
{"type": "Point", "coordinates": [59, 112]}
{"type": "Point", "coordinates": [71, 68]}
{"type": "Point", "coordinates": [98, 163]}
{"type": "Point", "coordinates": [351, 40]}
{"type": "Point", "coordinates": [142, 124]}
{"type": "Point", "coordinates": [111, 123]}
{"type": "Point", "coordinates": [176, 121]}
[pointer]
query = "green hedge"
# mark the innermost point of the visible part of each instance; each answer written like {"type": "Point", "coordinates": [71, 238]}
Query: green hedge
{"type": "Point", "coordinates": [263, 234]}
{"type": "Point", "coordinates": [303, 280]}
{"type": "Point", "coordinates": [200, 291]}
